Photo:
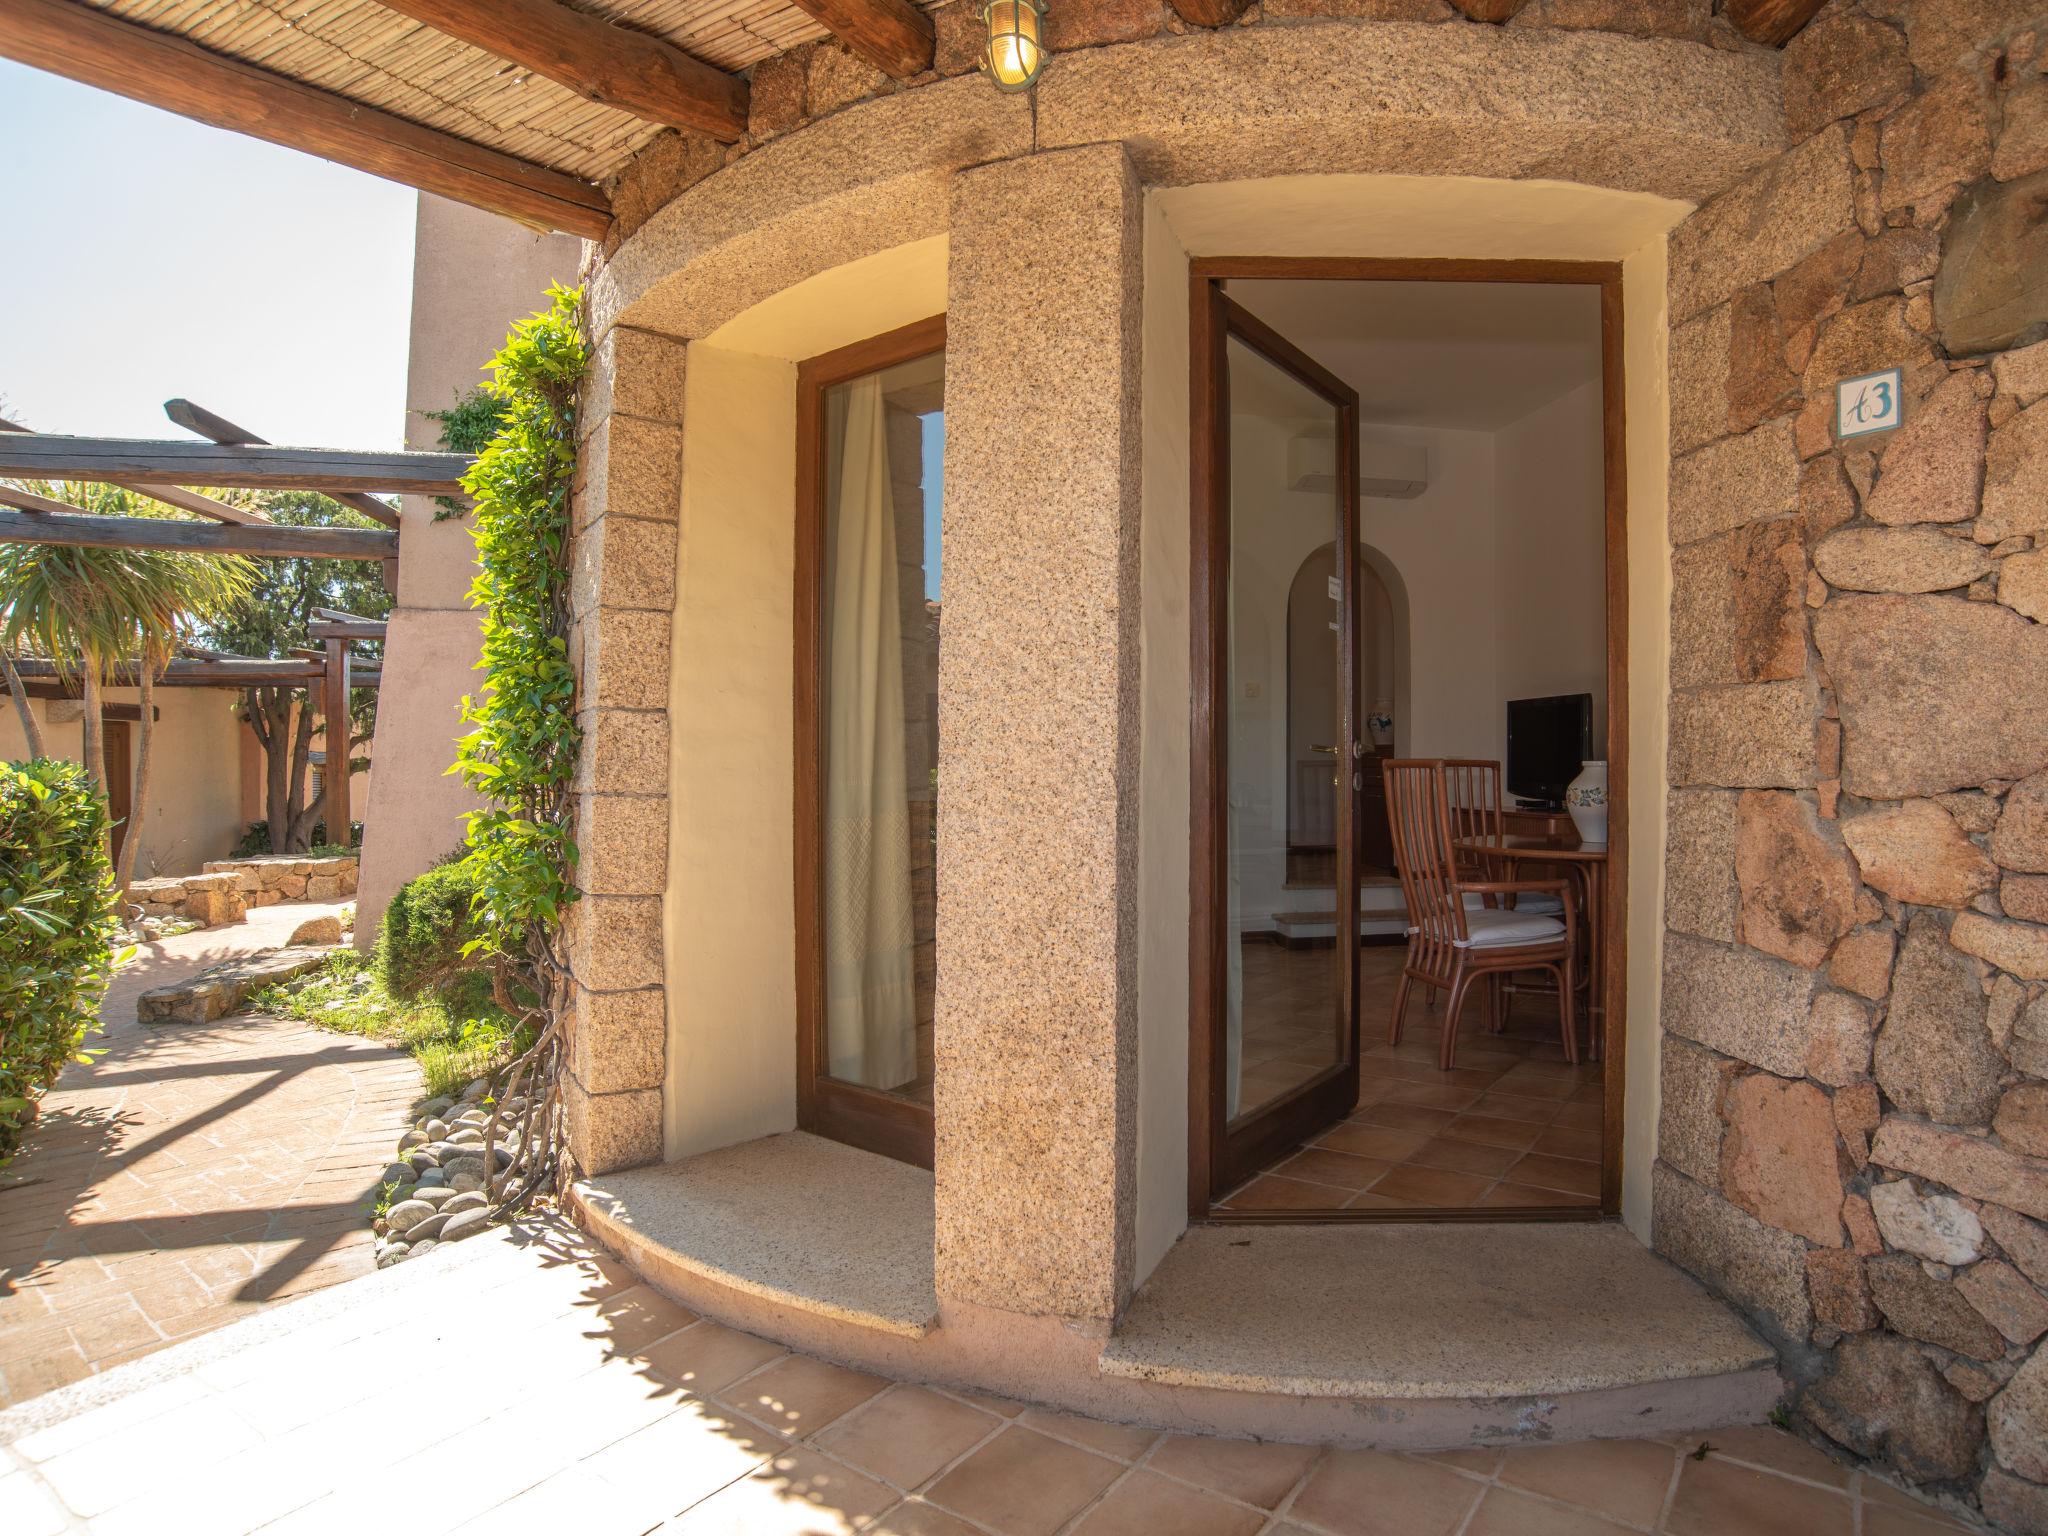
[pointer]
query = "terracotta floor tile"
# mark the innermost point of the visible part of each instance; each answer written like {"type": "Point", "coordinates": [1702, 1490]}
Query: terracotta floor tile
{"type": "Point", "coordinates": [1270, 1192]}
{"type": "Point", "coordinates": [1719, 1498]}
{"type": "Point", "coordinates": [1884, 1520]}
{"type": "Point", "coordinates": [1146, 1505]}
{"type": "Point", "coordinates": [799, 1494]}
{"type": "Point", "coordinates": [1432, 1096]}
{"type": "Point", "coordinates": [1023, 1484]}
{"type": "Point", "coordinates": [1255, 1472]}
{"type": "Point", "coordinates": [1524, 1196]}
{"type": "Point", "coordinates": [1581, 1117]}
{"type": "Point", "coordinates": [1503, 1513]}
{"type": "Point", "coordinates": [1463, 1156]}
{"type": "Point", "coordinates": [907, 1434]}
{"type": "Point", "coordinates": [1561, 1173]}
{"type": "Point", "coordinates": [914, 1517]}
{"type": "Point", "coordinates": [1762, 1446]}
{"type": "Point", "coordinates": [1431, 1186]}
{"type": "Point", "coordinates": [799, 1395]}
{"type": "Point", "coordinates": [1371, 1141]}
{"type": "Point", "coordinates": [1405, 1117]}
{"type": "Point", "coordinates": [1122, 1441]}
{"type": "Point", "coordinates": [706, 1357]}
{"type": "Point", "coordinates": [1626, 1480]}
{"type": "Point", "coordinates": [1559, 1142]}
{"type": "Point", "coordinates": [1367, 1493]}
{"type": "Point", "coordinates": [1506, 1106]}
{"type": "Point", "coordinates": [635, 1318]}
{"type": "Point", "coordinates": [1480, 1460]}
{"type": "Point", "coordinates": [1321, 1166]}
{"type": "Point", "coordinates": [1491, 1132]}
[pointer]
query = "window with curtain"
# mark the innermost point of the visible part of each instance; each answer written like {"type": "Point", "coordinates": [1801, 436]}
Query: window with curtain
{"type": "Point", "coordinates": [883, 436]}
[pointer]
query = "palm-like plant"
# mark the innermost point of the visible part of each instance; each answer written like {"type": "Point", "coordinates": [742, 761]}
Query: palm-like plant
{"type": "Point", "coordinates": [90, 611]}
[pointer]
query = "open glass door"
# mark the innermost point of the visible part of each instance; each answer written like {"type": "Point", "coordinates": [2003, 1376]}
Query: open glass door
{"type": "Point", "coordinates": [1286, 768]}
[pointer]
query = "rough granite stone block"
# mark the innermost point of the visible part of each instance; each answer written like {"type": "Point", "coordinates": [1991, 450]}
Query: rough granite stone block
{"type": "Point", "coordinates": [1763, 224]}
{"type": "Point", "coordinates": [625, 752]}
{"type": "Point", "coordinates": [614, 942]}
{"type": "Point", "coordinates": [611, 1131]}
{"type": "Point", "coordinates": [618, 1041]}
{"type": "Point", "coordinates": [1699, 873]}
{"type": "Point", "coordinates": [621, 845]}
{"type": "Point", "coordinates": [1699, 379]}
{"type": "Point", "coordinates": [1038, 745]}
{"type": "Point", "coordinates": [1740, 480]}
{"type": "Point", "coordinates": [633, 373]}
{"type": "Point", "coordinates": [623, 562]}
{"type": "Point", "coordinates": [1758, 736]}
{"type": "Point", "coordinates": [1738, 1002]}
{"type": "Point", "coordinates": [1689, 1128]}
{"type": "Point", "coordinates": [1759, 1268]}
{"type": "Point", "coordinates": [631, 466]}
{"type": "Point", "coordinates": [1738, 607]}
{"type": "Point", "coordinates": [621, 656]}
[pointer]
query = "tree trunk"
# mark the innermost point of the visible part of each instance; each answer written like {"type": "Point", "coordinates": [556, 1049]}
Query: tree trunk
{"type": "Point", "coordinates": [92, 731]}
{"type": "Point", "coordinates": [31, 730]}
{"type": "Point", "coordinates": [301, 816]}
{"type": "Point", "coordinates": [138, 801]}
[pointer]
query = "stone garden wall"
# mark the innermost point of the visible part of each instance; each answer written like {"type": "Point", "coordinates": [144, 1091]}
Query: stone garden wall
{"type": "Point", "coordinates": [1854, 1139]}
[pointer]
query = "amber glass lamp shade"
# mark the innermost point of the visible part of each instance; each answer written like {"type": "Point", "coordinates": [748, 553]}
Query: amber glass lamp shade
{"type": "Point", "coordinates": [1015, 53]}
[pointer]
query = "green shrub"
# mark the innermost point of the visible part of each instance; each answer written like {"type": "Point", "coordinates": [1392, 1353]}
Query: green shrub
{"type": "Point", "coordinates": [57, 926]}
{"type": "Point", "coordinates": [420, 946]}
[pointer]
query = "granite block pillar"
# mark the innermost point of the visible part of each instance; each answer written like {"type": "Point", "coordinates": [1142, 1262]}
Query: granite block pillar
{"type": "Point", "coordinates": [1038, 739]}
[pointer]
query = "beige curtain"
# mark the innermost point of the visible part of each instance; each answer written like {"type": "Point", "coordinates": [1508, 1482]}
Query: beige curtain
{"type": "Point", "coordinates": [870, 996]}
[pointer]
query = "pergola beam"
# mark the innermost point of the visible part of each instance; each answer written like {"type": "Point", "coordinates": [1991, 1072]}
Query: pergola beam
{"type": "Point", "coordinates": [82, 42]}
{"type": "Point", "coordinates": [249, 466]}
{"type": "Point", "coordinates": [893, 35]}
{"type": "Point", "coordinates": [263, 540]}
{"type": "Point", "coordinates": [170, 495]}
{"type": "Point", "coordinates": [198, 419]}
{"type": "Point", "coordinates": [226, 672]}
{"type": "Point", "coordinates": [1210, 13]}
{"type": "Point", "coordinates": [611, 65]}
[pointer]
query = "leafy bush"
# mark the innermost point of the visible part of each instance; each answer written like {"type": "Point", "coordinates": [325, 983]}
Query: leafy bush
{"type": "Point", "coordinates": [57, 923]}
{"type": "Point", "coordinates": [422, 945]}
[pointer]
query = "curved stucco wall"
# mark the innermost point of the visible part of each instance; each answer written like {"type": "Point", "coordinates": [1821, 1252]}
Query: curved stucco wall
{"type": "Point", "coordinates": [1675, 119]}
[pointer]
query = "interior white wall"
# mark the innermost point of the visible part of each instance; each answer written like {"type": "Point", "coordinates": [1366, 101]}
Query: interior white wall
{"type": "Point", "coordinates": [1550, 550]}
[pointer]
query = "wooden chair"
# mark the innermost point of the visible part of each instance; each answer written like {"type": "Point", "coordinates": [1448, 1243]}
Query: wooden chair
{"type": "Point", "coordinates": [1450, 943]}
{"type": "Point", "coordinates": [1472, 791]}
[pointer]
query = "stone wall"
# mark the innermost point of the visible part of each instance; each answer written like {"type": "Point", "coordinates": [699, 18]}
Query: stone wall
{"type": "Point", "coordinates": [815, 80]}
{"type": "Point", "coordinates": [1854, 1137]}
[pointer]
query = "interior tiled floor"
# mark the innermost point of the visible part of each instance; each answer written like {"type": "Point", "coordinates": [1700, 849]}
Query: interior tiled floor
{"type": "Point", "coordinates": [1512, 1124]}
{"type": "Point", "coordinates": [520, 1382]}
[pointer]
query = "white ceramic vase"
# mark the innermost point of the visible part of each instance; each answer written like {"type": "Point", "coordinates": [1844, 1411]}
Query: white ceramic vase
{"type": "Point", "coordinates": [1586, 799]}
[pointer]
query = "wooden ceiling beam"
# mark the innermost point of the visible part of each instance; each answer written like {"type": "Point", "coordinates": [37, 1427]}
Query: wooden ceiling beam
{"type": "Point", "coordinates": [611, 65]}
{"type": "Point", "coordinates": [1771, 22]}
{"type": "Point", "coordinates": [893, 35]}
{"type": "Point", "coordinates": [89, 45]}
{"type": "Point", "coordinates": [245, 466]}
{"type": "Point", "coordinates": [1489, 10]}
{"type": "Point", "coordinates": [265, 540]}
{"type": "Point", "coordinates": [1210, 13]}
{"type": "Point", "coordinates": [218, 672]}
{"type": "Point", "coordinates": [218, 429]}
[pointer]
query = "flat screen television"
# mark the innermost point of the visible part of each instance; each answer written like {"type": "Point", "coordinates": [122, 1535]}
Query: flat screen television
{"type": "Point", "coordinates": [1549, 740]}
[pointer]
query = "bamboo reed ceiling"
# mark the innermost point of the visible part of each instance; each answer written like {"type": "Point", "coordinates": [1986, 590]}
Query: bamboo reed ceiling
{"type": "Point", "coordinates": [360, 50]}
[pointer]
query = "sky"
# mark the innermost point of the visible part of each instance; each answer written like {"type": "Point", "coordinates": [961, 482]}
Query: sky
{"type": "Point", "coordinates": [146, 256]}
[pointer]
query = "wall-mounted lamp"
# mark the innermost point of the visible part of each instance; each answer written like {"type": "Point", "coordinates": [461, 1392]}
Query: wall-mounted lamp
{"type": "Point", "coordinates": [1015, 53]}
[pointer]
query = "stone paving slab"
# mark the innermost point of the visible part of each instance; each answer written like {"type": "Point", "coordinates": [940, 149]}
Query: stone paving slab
{"type": "Point", "coordinates": [523, 1381]}
{"type": "Point", "coordinates": [189, 1175]}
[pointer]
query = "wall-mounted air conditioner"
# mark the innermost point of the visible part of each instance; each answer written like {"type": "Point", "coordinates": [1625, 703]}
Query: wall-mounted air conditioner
{"type": "Point", "coordinates": [1395, 471]}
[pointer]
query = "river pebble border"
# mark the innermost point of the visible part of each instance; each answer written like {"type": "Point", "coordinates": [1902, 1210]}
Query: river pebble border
{"type": "Point", "coordinates": [435, 1186]}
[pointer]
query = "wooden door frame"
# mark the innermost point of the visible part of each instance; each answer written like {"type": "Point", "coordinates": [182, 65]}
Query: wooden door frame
{"type": "Point", "coordinates": [1209, 568]}
{"type": "Point", "coordinates": [863, 1117]}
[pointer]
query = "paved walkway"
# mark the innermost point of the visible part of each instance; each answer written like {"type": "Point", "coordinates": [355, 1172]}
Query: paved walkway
{"type": "Point", "coordinates": [192, 1173]}
{"type": "Point", "coordinates": [520, 1383]}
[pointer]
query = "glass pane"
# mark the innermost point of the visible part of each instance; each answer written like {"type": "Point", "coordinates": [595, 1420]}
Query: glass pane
{"type": "Point", "coordinates": [879, 644]}
{"type": "Point", "coordinates": [1284, 737]}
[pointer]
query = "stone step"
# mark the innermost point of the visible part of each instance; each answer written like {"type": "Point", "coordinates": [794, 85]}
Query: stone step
{"type": "Point", "coordinates": [222, 989]}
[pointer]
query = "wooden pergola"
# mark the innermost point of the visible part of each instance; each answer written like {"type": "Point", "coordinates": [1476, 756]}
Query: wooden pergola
{"type": "Point", "coordinates": [233, 459]}
{"type": "Point", "coordinates": [521, 107]}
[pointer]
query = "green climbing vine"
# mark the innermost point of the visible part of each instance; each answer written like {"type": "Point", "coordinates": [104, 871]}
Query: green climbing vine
{"type": "Point", "coordinates": [522, 754]}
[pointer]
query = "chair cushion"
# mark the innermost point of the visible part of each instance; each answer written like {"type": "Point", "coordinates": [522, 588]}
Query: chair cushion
{"type": "Point", "coordinates": [1525, 903]}
{"type": "Point", "coordinates": [1494, 929]}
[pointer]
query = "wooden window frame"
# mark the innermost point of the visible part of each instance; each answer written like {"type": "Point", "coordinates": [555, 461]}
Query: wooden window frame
{"type": "Point", "coordinates": [1209, 569]}
{"type": "Point", "coordinates": [869, 1118]}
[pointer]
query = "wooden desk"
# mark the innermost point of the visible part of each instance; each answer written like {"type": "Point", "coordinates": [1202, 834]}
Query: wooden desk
{"type": "Point", "coordinates": [1586, 865]}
